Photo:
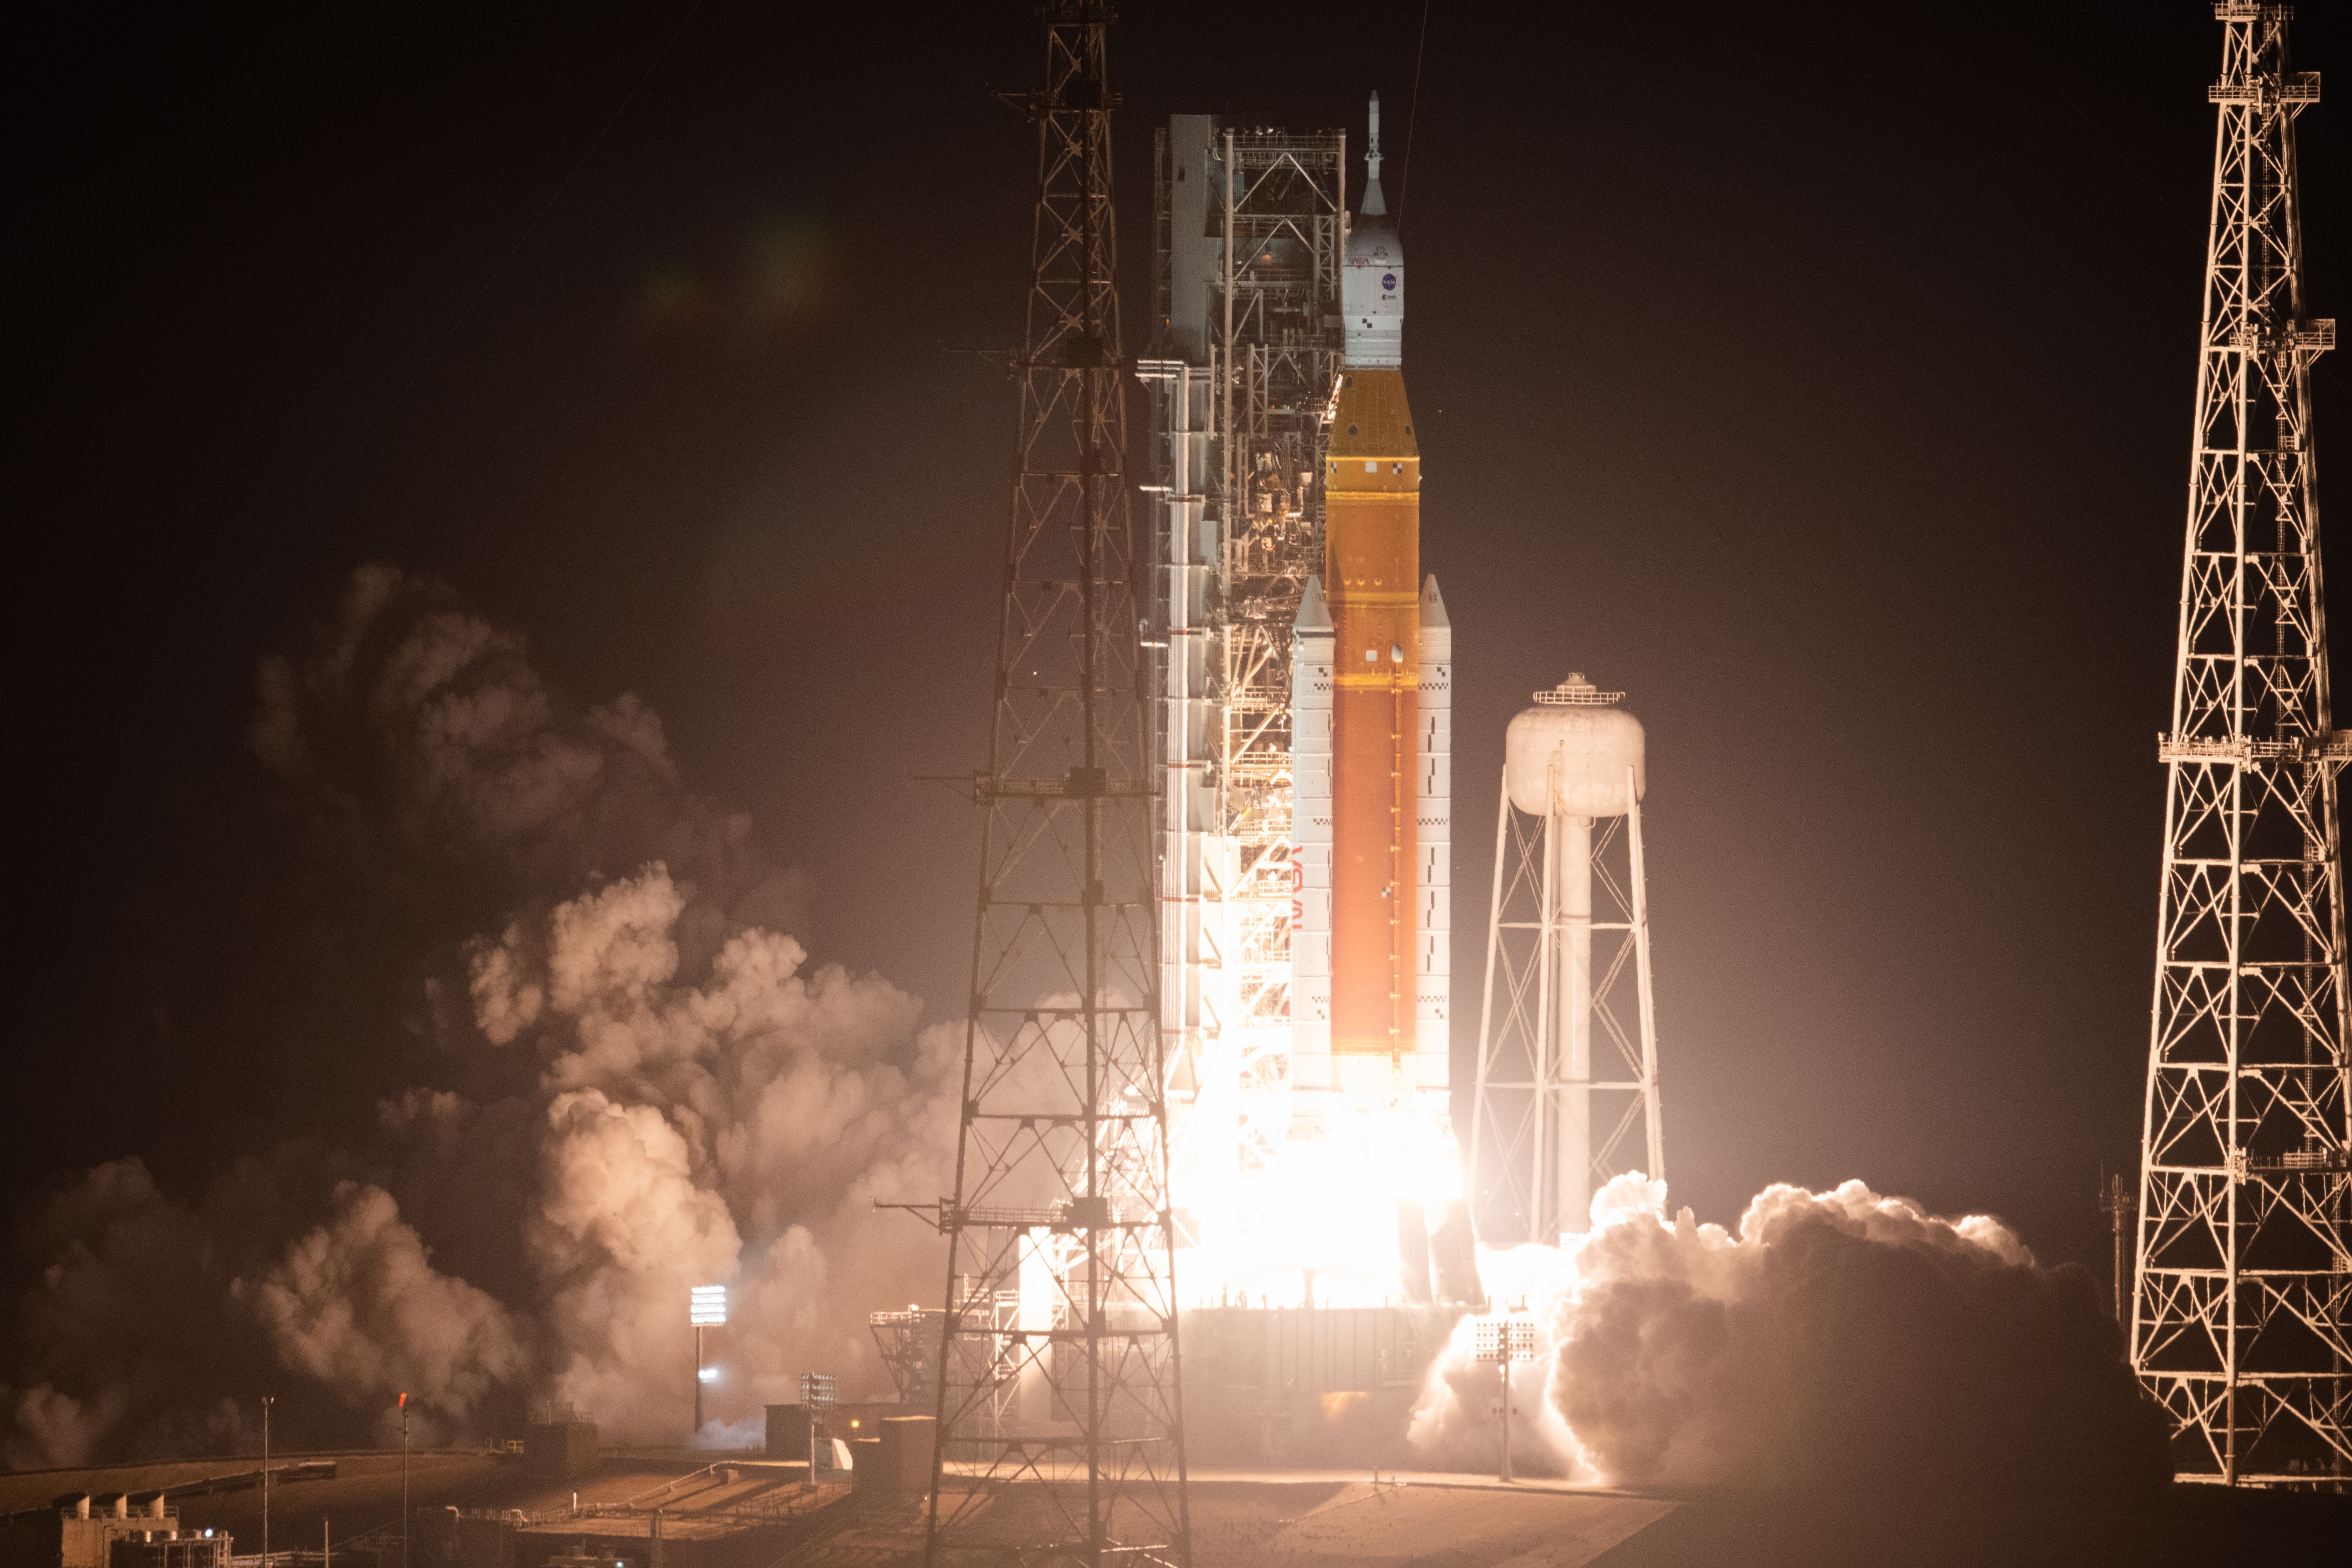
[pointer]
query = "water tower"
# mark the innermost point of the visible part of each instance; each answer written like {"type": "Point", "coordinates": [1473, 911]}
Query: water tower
{"type": "Point", "coordinates": [1567, 1047]}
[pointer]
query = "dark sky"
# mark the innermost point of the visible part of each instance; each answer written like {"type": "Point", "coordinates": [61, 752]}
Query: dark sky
{"type": "Point", "coordinates": [1820, 375]}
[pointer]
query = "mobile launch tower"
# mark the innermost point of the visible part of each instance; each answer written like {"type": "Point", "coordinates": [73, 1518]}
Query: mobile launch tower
{"type": "Point", "coordinates": [1252, 229]}
{"type": "Point", "coordinates": [1306, 809]}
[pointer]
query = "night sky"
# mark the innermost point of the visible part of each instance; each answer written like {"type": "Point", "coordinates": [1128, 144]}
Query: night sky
{"type": "Point", "coordinates": [1818, 375]}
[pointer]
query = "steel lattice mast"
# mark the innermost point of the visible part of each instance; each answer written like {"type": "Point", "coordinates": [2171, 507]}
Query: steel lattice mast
{"type": "Point", "coordinates": [2242, 1319]}
{"type": "Point", "coordinates": [1060, 1425]}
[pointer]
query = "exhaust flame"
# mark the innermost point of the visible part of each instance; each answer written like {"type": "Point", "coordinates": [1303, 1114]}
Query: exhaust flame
{"type": "Point", "coordinates": [1319, 1221]}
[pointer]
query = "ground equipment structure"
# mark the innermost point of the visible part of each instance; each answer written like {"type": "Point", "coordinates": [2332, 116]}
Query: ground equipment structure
{"type": "Point", "coordinates": [1059, 1415]}
{"type": "Point", "coordinates": [1252, 231]}
{"type": "Point", "coordinates": [2242, 1312]}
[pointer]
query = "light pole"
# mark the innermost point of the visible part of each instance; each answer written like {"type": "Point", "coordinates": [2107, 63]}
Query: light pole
{"type": "Point", "coordinates": [816, 1394]}
{"type": "Point", "coordinates": [267, 1401]}
{"type": "Point", "coordinates": [706, 1308]}
{"type": "Point", "coordinates": [403, 1481]}
{"type": "Point", "coordinates": [1503, 1340]}
{"type": "Point", "coordinates": [2119, 1203]}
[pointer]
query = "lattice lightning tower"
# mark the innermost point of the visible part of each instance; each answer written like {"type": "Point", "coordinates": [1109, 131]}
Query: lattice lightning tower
{"type": "Point", "coordinates": [1060, 1427]}
{"type": "Point", "coordinates": [2242, 1318]}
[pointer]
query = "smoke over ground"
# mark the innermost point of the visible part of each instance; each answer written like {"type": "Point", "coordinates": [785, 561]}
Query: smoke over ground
{"type": "Point", "coordinates": [548, 1048]}
{"type": "Point", "coordinates": [604, 1070]}
{"type": "Point", "coordinates": [1840, 1338]}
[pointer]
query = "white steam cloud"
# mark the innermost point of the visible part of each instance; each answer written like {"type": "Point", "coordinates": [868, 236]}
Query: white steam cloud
{"type": "Point", "coordinates": [423, 739]}
{"type": "Point", "coordinates": [356, 1305]}
{"type": "Point", "coordinates": [680, 1119]}
{"type": "Point", "coordinates": [1838, 1337]}
{"type": "Point", "coordinates": [644, 1085]}
{"type": "Point", "coordinates": [605, 1071]}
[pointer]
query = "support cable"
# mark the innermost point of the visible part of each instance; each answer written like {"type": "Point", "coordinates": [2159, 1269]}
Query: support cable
{"type": "Point", "coordinates": [1411, 115]}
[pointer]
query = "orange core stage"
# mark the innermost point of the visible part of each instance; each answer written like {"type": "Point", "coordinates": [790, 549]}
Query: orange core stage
{"type": "Point", "coordinates": [1372, 581]}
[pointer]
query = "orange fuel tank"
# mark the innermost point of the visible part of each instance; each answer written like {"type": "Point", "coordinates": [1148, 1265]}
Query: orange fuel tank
{"type": "Point", "coordinates": [1372, 582]}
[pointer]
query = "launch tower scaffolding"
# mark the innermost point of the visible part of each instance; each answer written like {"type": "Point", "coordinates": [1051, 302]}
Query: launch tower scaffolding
{"type": "Point", "coordinates": [2241, 1316]}
{"type": "Point", "coordinates": [1060, 1425]}
{"type": "Point", "coordinates": [1252, 231]}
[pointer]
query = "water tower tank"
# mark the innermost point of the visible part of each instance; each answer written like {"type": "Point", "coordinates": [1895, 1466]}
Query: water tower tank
{"type": "Point", "coordinates": [1567, 755]}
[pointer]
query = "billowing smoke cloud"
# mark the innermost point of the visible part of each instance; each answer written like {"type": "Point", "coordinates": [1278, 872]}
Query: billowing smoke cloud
{"type": "Point", "coordinates": [426, 742]}
{"type": "Point", "coordinates": [1838, 1337]}
{"type": "Point", "coordinates": [546, 1021]}
{"type": "Point", "coordinates": [680, 1119]}
{"type": "Point", "coordinates": [132, 1336]}
{"type": "Point", "coordinates": [1457, 1420]}
{"type": "Point", "coordinates": [608, 1071]}
{"type": "Point", "coordinates": [356, 1305]}
{"type": "Point", "coordinates": [100, 1331]}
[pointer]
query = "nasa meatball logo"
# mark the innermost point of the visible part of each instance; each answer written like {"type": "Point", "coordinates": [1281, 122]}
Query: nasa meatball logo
{"type": "Point", "coordinates": [1388, 279]}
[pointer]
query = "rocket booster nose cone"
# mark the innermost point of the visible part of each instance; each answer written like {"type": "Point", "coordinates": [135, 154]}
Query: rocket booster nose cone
{"type": "Point", "coordinates": [1313, 616]}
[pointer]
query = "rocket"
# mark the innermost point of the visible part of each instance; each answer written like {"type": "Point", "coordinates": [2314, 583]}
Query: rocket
{"type": "Point", "coordinates": [1372, 740]}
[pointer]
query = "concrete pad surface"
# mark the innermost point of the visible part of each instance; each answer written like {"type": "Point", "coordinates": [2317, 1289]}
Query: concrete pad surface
{"type": "Point", "coordinates": [1356, 1524]}
{"type": "Point", "coordinates": [2023, 1527]}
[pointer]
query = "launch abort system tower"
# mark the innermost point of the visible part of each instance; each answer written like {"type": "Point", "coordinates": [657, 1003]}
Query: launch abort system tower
{"type": "Point", "coordinates": [2241, 1316]}
{"type": "Point", "coordinates": [1060, 1422]}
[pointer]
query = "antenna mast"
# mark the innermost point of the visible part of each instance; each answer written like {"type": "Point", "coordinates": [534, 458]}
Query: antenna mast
{"type": "Point", "coordinates": [1060, 1422]}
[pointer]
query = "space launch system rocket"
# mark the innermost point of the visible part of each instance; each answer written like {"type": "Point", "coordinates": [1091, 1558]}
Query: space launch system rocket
{"type": "Point", "coordinates": [1371, 677]}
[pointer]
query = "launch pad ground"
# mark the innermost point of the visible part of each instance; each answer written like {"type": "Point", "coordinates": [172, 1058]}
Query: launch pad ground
{"type": "Point", "coordinates": [1257, 1516]}
{"type": "Point", "coordinates": [1244, 1521]}
{"type": "Point", "coordinates": [1309, 1520]}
